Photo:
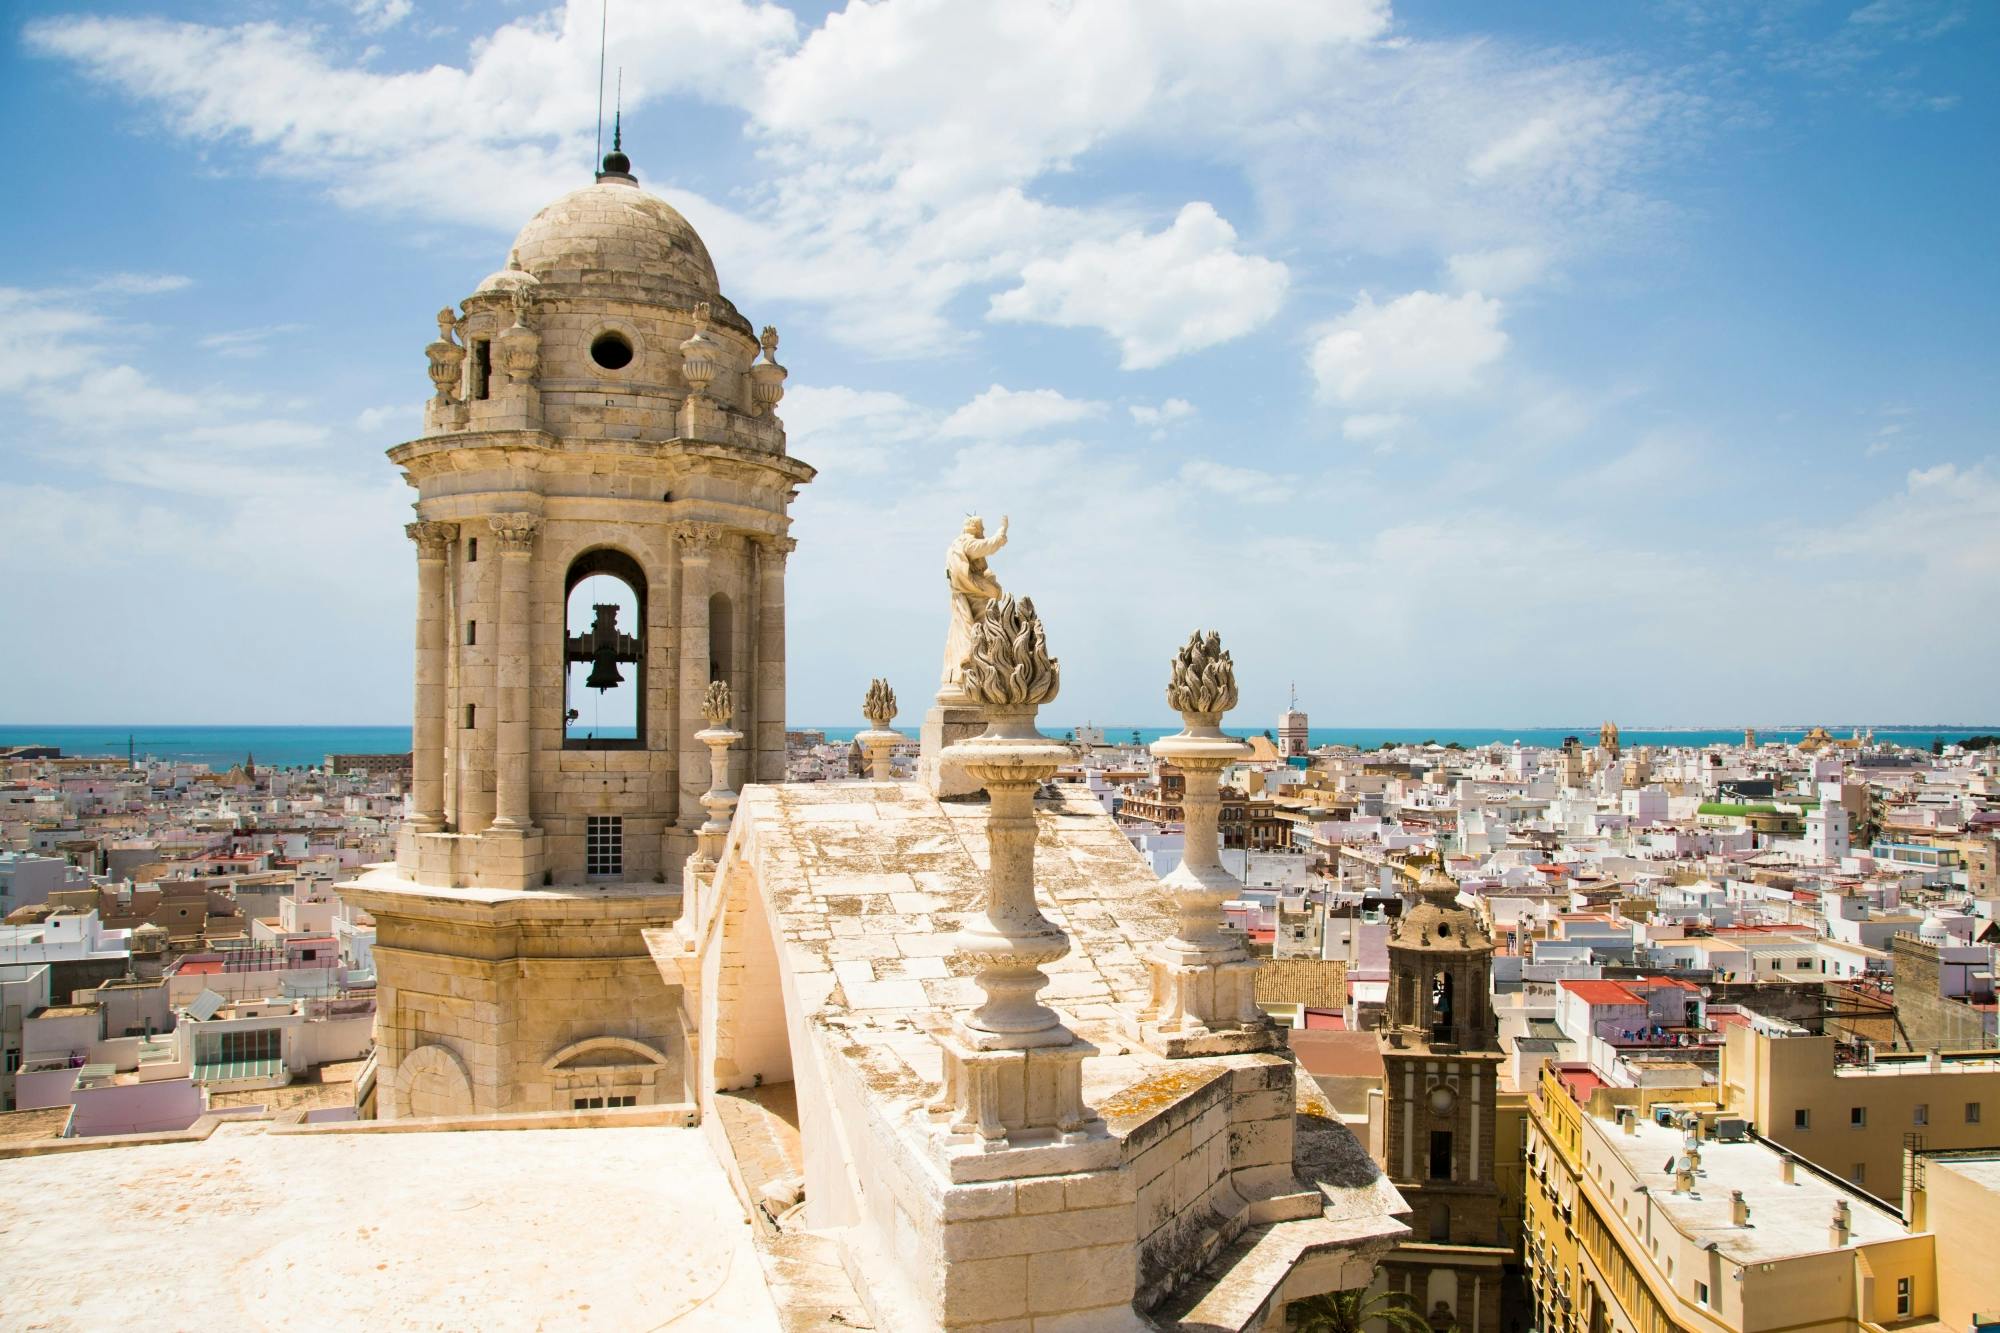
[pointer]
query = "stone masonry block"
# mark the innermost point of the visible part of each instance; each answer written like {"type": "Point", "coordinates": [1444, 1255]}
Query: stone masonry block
{"type": "Point", "coordinates": [977, 1290]}
{"type": "Point", "coordinates": [1033, 1235]}
{"type": "Point", "coordinates": [1040, 1196]}
{"type": "Point", "coordinates": [1082, 1279]}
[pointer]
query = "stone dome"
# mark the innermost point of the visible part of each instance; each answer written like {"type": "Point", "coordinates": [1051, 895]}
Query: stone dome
{"type": "Point", "coordinates": [613, 239]}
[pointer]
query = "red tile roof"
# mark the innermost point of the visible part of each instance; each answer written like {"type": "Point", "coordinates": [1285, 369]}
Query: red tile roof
{"type": "Point", "coordinates": [1601, 992]}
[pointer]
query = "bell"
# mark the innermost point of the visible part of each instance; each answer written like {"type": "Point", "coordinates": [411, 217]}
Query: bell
{"type": "Point", "coordinates": [604, 671]}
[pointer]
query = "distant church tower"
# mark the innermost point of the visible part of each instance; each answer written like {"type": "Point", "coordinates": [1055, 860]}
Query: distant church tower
{"type": "Point", "coordinates": [1441, 1065]}
{"type": "Point", "coordinates": [602, 496]}
{"type": "Point", "coordinates": [1292, 730]}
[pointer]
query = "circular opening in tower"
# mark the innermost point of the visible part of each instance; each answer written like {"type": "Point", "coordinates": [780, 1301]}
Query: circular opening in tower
{"type": "Point", "coordinates": [613, 351]}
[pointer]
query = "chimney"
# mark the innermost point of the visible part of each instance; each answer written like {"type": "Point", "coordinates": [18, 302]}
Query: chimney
{"type": "Point", "coordinates": [1788, 1169]}
{"type": "Point", "coordinates": [1937, 1059]}
{"type": "Point", "coordinates": [1629, 1118]}
{"type": "Point", "coordinates": [1842, 1227]}
{"type": "Point", "coordinates": [1739, 1209]}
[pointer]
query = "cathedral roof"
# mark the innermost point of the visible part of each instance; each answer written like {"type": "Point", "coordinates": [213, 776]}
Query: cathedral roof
{"type": "Point", "coordinates": [614, 239]}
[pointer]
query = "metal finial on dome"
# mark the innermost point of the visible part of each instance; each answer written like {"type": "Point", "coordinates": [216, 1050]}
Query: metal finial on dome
{"type": "Point", "coordinates": [617, 166]}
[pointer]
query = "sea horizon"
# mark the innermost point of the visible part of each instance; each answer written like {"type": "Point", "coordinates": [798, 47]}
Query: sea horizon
{"type": "Point", "coordinates": [292, 746]}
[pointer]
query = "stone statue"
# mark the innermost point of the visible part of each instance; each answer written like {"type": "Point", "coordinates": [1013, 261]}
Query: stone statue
{"type": "Point", "coordinates": [973, 587]}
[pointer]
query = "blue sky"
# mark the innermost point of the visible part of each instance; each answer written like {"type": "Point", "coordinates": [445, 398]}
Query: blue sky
{"type": "Point", "coordinates": [1467, 364]}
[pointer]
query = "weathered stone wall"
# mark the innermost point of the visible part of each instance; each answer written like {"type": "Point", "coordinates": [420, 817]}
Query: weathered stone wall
{"type": "Point", "coordinates": [1926, 1018]}
{"type": "Point", "coordinates": [536, 1005]}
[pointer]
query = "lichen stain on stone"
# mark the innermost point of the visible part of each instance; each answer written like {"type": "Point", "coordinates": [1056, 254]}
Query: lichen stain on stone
{"type": "Point", "coordinates": [1155, 1092]}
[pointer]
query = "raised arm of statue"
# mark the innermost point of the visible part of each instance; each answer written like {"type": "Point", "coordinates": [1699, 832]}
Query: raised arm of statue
{"type": "Point", "coordinates": [980, 548]}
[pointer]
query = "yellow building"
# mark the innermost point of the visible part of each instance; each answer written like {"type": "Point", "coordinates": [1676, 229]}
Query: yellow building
{"type": "Point", "coordinates": [1956, 1195]}
{"type": "Point", "coordinates": [1639, 1220]}
{"type": "Point", "coordinates": [1855, 1120]}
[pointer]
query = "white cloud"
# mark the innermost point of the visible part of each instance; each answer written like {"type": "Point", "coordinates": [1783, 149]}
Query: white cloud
{"type": "Point", "coordinates": [1001, 413]}
{"type": "Point", "coordinates": [1172, 412]}
{"type": "Point", "coordinates": [1497, 272]}
{"type": "Point", "coordinates": [380, 15]}
{"type": "Point", "coordinates": [246, 343]}
{"type": "Point", "coordinates": [1420, 345]}
{"type": "Point", "coordinates": [1373, 427]}
{"type": "Point", "coordinates": [837, 428]}
{"type": "Point", "coordinates": [1160, 296]}
{"type": "Point", "coordinates": [1240, 483]}
{"type": "Point", "coordinates": [390, 417]}
{"type": "Point", "coordinates": [140, 284]}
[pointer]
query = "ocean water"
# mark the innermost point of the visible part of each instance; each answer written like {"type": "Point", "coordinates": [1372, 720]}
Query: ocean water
{"type": "Point", "coordinates": [290, 747]}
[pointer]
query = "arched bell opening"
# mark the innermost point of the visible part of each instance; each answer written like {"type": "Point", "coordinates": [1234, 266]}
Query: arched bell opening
{"type": "Point", "coordinates": [1443, 1021]}
{"type": "Point", "coordinates": [604, 652]}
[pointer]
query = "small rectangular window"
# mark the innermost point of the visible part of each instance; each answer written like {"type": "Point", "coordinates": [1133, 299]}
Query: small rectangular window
{"type": "Point", "coordinates": [471, 716]}
{"type": "Point", "coordinates": [472, 550]}
{"type": "Point", "coordinates": [482, 366]}
{"type": "Point", "coordinates": [1701, 1293]}
{"type": "Point", "coordinates": [1922, 1115]}
{"type": "Point", "coordinates": [1802, 1119]}
{"type": "Point", "coordinates": [1857, 1116]}
{"type": "Point", "coordinates": [1903, 1297]}
{"type": "Point", "coordinates": [1972, 1113]}
{"type": "Point", "coordinates": [603, 845]}
{"type": "Point", "coordinates": [1860, 1175]}
{"type": "Point", "coordinates": [471, 633]}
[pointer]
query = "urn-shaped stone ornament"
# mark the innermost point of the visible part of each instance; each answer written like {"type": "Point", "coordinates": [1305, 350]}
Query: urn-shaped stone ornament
{"type": "Point", "coordinates": [447, 357]}
{"type": "Point", "coordinates": [517, 353]}
{"type": "Point", "coordinates": [767, 377]}
{"type": "Point", "coordinates": [701, 354]}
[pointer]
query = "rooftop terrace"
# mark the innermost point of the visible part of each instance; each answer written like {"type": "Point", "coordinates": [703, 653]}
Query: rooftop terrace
{"type": "Point", "coordinates": [1786, 1219]}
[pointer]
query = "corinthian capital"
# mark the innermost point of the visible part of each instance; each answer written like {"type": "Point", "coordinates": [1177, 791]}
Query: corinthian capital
{"type": "Point", "coordinates": [432, 539]}
{"type": "Point", "coordinates": [515, 532]}
{"type": "Point", "coordinates": [698, 540]}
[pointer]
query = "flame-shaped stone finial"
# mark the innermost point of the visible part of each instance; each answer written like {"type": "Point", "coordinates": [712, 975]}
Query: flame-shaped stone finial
{"type": "Point", "coordinates": [716, 705]}
{"type": "Point", "coordinates": [879, 706]}
{"type": "Point", "coordinates": [1204, 678]}
{"type": "Point", "coordinates": [1008, 664]}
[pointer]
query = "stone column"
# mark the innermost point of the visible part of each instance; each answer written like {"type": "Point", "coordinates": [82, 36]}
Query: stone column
{"type": "Point", "coordinates": [768, 742]}
{"type": "Point", "coordinates": [1203, 999]}
{"type": "Point", "coordinates": [434, 542]}
{"type": "Point", "coordinates": [514, 534]}
{"type": "Point", "coordinates": [1013, 1071]}
{"type": "Point", "coordinates": [697, 546]}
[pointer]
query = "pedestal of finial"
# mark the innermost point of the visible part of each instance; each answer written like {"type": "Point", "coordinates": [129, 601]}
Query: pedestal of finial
{"type": "Point", "coordinates": [877, 744]}
{"type": "Point", "coordinates": [1013, 1070]}
{"type": "Point", "coordinates": [948, 723]}
{"type": "Point", "coordinates": [1005, 1112]}
{"type": "Point", "coordinates": [1203, 999]}
{"type": "Point", "coordinates": [719, 801]}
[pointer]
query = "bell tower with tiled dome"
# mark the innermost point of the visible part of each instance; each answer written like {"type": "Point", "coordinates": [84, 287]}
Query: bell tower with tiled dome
{"type": "Point", "coordinates": [602, 496]}
{"type": "Point", "coordinates": [1441, 1064]}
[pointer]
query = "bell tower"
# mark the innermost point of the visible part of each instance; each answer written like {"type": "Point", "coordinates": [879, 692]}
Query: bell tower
{"type": "Point", "coordinates": [1441, 1064]}
{"type": "Point", "coordinates": [603, 495]}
